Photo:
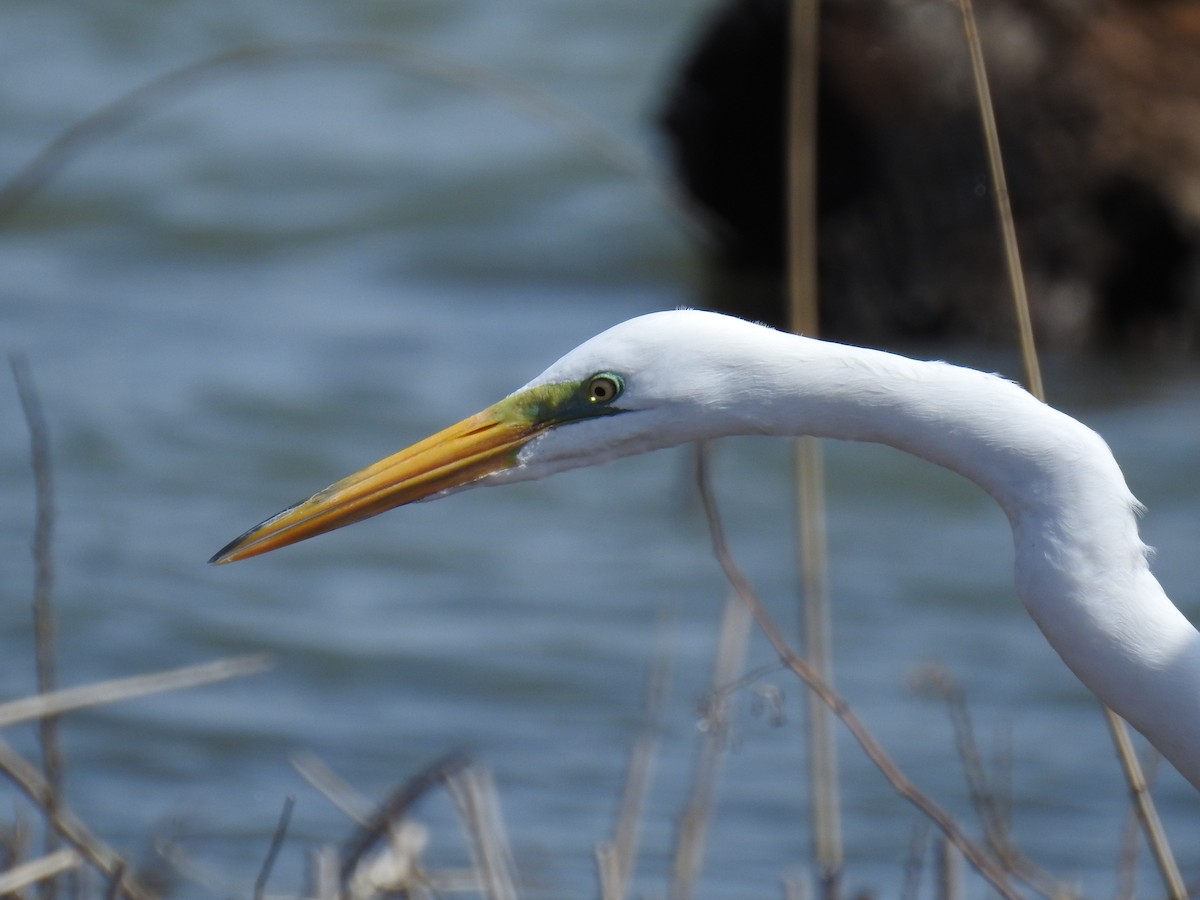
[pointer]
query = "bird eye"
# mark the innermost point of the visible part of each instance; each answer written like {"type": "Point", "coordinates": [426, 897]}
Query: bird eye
{"type": "Point", "coordinates": [603, 388]}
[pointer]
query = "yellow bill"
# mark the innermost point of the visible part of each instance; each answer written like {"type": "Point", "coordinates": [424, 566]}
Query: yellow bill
{"type": "Point", "coordinates": [485, 443]}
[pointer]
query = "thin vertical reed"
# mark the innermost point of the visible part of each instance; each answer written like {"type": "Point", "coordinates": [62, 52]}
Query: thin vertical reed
{"type": "Point", "coordinates": [323, 873]}
{"type": "Point", "coordinates": [691, 840]}
{"type": "Point", "coordinates": [910, 888]}
{"type": "Point", "coordinates": [1008, 231]}
{"type": "Point", "coordinates": [615, 858]}
{"type": "Point", "coordinates": [949, 872]}
{"type": "Point", "coordinates": [795, 889]}
{"type": "Point", "coordinates": [277, 839]}
{"type": "Point", "coordinates": [474, 794]}
{"type": "Point", "coordinates": [803, 56]}
{"type": "Point", "coordinates": [113, 889]}
{"type": "Point", "coordinates": [1142, 800]}
{"type": "Point", "coordinates": [44, 625]}
{"type": "Point", "coordinates": [1147, 812]}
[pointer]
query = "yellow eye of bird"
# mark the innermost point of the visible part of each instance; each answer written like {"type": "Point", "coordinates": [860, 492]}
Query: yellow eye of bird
{"type": "Point", "coordinates": [603, 388]}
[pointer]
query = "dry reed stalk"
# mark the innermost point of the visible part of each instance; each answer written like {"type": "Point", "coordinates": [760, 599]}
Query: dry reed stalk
{"type": "Point", "coordinates": [1142, 801]}
{"type": "Point", "coordinates": [475, 796]}
{"type": "Point", "coordinates": [803, 58]}
{"type": "Point", "coordinates": [615, 858]}
{"type": "Point", "coordinates": [353, 805]}
{"type": "Point", "coordinates": [113, 891]}
{"type": "Point", "coordinates": [323, 873]}
{"type": "Point", "coordinates": [120, 689]}
{"type": "Point", "coordinates": [949, 872]}
{"type": "Point", "coordinates": [395, 869]}
{"type": "Point", "coordinates": [183, 868]}
{"type": "Point", "coordinates": [277, 839]}
{"type": "Point", "coordinates": [1127, 856]}
{"type": "Point", "coordinates": [44, 627]}
{"type": "Point", "coordinates": [608, 872]}
{"type": "Point", "coordinates": [15, 839]}
{"type": "Point", "coordinates": [43, 788]}
{"type": "Point", "coordinates": [818, 649]}
{"type": "Point", "coordinates": [1147, 813]}
{"type": "Point", "coordinates": [394, 808]}
{"type": "Point", "coordinates": [1003, 203]}
{"type": "Point", "coordinates": [729, 662]}
{"type": "Point", "coordinates": [68, 826]}
{"type": "Point", "coordinates": [992, 813]}
{"type": "Point", "coordinates": [38, 870]}
{"type": "Point", "coordinates": [914, 863]}
{"type": "Point", "coordinates": [975, 855]}
{"type": "Point", "coordinates": [795, 889]}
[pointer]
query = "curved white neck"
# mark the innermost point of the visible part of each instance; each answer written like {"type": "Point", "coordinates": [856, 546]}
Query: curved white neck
{"type": "Point", "coordinates": [1081, 568]}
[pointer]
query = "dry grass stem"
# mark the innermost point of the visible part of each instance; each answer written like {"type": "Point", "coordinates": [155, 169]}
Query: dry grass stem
{"type": "Point", "coordinates": [949, 872]}
{"type": "Point", "coordinates": [113, 890]}
{"type": "Point", "coordinates": [44, 627]}
{"type": "Point", "coordinates": [914, 863]}
{"type": "Point", "coordinates": [818, 647]}
{"type": "Point", "coordinates": [691, 838]}
{"type": "Point", "coordinates": [15, 838]}
{"type": "Point", "coordinates": [479, 809]}
{"type": "Point", "coordinates": [395, 868]}
{"type": "Point", "coordinates": [120, 689]}
{"type": "Point", "coordinates": [42, 788]}
{"type": "Point", "coordinates": [985, 798]}
{"type": "Point", "coordinates": [975, 855]}
{"type": "Point", "coordinates": [1008, 231]}
{"type": "Point", "coordinates": [353, 805]}
{"type": "Point", "coordinates": [394, 808]}
{"type": "Point", "coordinates": [615, 859]}
{"type": "Point", "coordinates": [804, 318]}
{"type": "Point", "coordinates": [608, 872]}
{"type": "Point", "coordinates": [1127, 858]}
{"type": "Point", "coordinates": [323, 869]}
{"type": "Point", "coordinates": [1143, 805]}
{"type": "Point", "coordinates": [1142, 801]}
{"type": "Point", "coordinates": [38, 870]}
{"type": "Point", "coordinates": [277, 839]}
{"type": "Point", "coordinates": [801, 150]}
{"type": "Point", "coordinates": [185, 869]}
{"type": "Point", "coordinates": [26, 777]}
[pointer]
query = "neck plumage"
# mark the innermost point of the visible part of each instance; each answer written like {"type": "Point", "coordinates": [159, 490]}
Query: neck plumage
{"type": "Point", "coordinates": [1081, 569]}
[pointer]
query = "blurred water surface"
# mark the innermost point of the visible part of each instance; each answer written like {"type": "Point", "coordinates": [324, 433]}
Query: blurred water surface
{"type": "Point", "coordinates": [289, 270]}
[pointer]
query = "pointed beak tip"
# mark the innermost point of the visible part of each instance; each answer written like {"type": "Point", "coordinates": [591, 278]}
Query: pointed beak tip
{"type": "Point", "coordinates": [226, 555]}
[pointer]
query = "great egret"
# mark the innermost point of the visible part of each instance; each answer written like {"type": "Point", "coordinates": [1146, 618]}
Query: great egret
{"type": "Point", "coordinates": [673, 377]}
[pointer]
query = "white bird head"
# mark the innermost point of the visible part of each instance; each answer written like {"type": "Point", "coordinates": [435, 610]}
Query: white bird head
{"type": "Point", "coordinates": [648, 383]}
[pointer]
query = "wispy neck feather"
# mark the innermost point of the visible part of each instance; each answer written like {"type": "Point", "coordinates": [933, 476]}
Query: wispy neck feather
{"type": "Point", "coordinates": [1081, 569]}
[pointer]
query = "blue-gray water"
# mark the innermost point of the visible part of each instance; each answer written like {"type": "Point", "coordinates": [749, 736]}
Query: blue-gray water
{"type": "Point", "coordinates": [288, 271]}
